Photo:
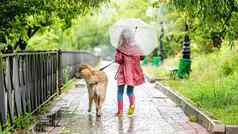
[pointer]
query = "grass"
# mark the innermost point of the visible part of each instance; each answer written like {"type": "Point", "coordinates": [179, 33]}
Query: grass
{"type": "Point", "coordinates": [154, 72]}
{"type": "Point", "coordinates": [162, 70]}
{"type": "Point", "coordinates": [20, 124]}
{"type": "Point", "coordinates": [69, 85]}
{"type": "Point", "coordinates": [212, 86]}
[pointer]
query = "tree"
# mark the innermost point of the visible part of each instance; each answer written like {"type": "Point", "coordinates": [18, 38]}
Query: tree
{"type": "Point", "coordinates": [216, 17]}
{"type": "Point", "coordinates": [89, 30]}
{"type": "Point", "coordinates": [21, 19]}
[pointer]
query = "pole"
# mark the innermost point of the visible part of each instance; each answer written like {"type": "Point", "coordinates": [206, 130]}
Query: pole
{"type": "Point", "coordinates": [60, 72]}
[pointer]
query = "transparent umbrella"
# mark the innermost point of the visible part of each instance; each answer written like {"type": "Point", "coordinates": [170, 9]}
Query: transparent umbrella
{"type": "Point", "coordinates": [144, 35]}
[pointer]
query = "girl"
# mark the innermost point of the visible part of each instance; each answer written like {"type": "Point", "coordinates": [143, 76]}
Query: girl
{"type": "Point", "coordinates": [129, 73]}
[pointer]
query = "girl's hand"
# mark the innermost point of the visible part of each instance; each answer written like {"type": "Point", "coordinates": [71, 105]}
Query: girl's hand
{"type": "Point", "coordinates": [142, 57]}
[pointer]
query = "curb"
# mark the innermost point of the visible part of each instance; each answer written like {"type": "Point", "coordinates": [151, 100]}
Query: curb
{"type": "Point", "coordinates": [213, 126]}
{"type": "Point", "coordinates": [231, 129]}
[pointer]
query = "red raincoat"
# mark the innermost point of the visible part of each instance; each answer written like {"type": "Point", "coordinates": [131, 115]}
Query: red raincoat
{"type": "Point", "coordinates": [129, 71]}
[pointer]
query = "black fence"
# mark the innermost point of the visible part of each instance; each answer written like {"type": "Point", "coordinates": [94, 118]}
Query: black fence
{"type": "Point", "coordinates": [30, 79]}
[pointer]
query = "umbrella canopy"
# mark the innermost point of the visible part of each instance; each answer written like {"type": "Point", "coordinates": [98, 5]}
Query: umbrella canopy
{"type": "Point", "coordinates": [142, 36]}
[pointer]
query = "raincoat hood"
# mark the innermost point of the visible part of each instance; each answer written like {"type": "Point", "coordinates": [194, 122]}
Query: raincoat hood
{"type": "Point", "coordinates": [130, 49]}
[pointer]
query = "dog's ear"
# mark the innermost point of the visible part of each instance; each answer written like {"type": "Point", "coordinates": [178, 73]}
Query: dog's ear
{"type": "Point", "coordinates": [85, 66]}
{"type": "Point", "coordinates": [81, 67]}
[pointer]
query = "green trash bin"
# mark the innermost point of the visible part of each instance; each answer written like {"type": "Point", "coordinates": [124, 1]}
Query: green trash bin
{"type": "Point", "coordinates": [156, 61]}
{"type": "Point", "coordinates": [184, 68]}
{"type": "Point", "coordinates": [145, 61]}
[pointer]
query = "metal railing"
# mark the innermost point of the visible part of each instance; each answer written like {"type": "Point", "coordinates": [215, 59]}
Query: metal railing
{"type": "Point", "coordinates": [30, 79]}
{"type": "Point", "coordinates": [70, 60]}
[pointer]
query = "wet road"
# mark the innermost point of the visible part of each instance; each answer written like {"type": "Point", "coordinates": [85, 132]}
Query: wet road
{"type": "Point", "coordinates": [155, 113]}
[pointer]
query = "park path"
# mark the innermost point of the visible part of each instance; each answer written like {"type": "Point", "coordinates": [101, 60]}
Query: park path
{"type": "Point", "coordinates": [155, 113]}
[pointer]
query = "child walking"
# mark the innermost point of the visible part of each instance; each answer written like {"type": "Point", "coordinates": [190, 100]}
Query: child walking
{"type": "Point", "coordinates": [129, 72]}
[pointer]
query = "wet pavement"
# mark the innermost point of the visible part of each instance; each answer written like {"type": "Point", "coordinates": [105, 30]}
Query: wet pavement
{"type": "Point", "coordinates": [155, 113]}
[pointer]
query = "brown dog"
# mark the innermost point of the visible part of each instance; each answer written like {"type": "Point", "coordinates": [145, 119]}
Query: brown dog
{"type": "Point", "coordinates": [97, 85]}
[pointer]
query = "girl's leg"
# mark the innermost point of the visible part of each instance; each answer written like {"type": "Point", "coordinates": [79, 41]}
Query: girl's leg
{"type": "Point", "coordinates": [130, 94]}
{"type": "Point", "coordinates": [120, 92]}
{"type": "Point", "coordinates": [131, 97]}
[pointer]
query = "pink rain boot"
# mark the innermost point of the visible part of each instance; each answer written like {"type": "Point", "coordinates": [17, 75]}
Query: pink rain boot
{"type": "Point", "coordinates": [120, 109]}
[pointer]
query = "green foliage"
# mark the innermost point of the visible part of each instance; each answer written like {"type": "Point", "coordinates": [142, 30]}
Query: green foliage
{"type": "Point", "coordinates": [4, 132]}
{"type": "Point", "coordinates": [214, 16]}
{"type": "Point", "coordinates": [69, 85]}
{"type": "Point", "coordinates": [65, 24]}
{"type": "Point", "coordinates": [173, 43]}
{"type": "Point", "coordinates": [131, 9]}
{"type": "Point", "coordinates": [193, 119]}
{"type": "Point", "coordinates": [229, 64]}
{"type": "Point", "coordinates": [154, 72]}
{"type": "Point", "coordinates": [212, 85]}
{"type": "Point", "coordinates": [21, 18]}
{"type": "Point", "coordinates": [173, 24]}
{"type": "Point", "coordinates": [209, 21]}
{"type": "Point", "coordinates": [85, 32]}
{"type": "Point", "coordinates": [20, 123]}
{"type": "Point", "coordinates": [23, 121]}
{"type": "Point", "coordinates": [89, 30]}
{"type": "Point", "coordinates": [66, 74]}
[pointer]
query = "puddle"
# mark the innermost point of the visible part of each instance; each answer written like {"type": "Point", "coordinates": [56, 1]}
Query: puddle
{"type": "Point", "coordinates": [50, 120]}
{"type": "Point", "coordinates": [159, 97]}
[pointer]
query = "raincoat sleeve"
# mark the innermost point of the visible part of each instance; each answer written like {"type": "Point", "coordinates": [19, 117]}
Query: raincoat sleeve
{"type": "Point", "coordinates": [118, 57]}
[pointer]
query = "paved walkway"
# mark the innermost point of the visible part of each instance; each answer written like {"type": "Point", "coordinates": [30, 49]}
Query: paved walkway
{"type": "Point", "coordinates": [155, 113]}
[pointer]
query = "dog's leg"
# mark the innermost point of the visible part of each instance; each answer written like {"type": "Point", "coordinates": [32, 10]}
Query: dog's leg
{"type": "Point", "coordinates": [90, 104]}
{"type": "Point", "coordinates": [98, 110]}
{"type": "Point", "coordinates": [99, 107]}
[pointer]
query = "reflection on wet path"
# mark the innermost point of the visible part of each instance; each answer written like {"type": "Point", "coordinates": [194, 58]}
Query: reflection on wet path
{"type": "Point", "coordinates": [155, 113]}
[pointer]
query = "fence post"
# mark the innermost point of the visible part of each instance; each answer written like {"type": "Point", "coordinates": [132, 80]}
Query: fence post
{"type": "Point", "coordinates": [2, 98]}
{"type": "Point", "coordinates": [60, 72]}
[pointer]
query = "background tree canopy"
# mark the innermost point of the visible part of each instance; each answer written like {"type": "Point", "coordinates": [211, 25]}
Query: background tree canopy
{"type": "Point", "coordinates": [20, 19]}
{"type": "Point", "coordinates": [72, 24]}
{"type": "Point", "coordinates": [215, 18]}
{"type": "Point", "coordinates": [89, 30]}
